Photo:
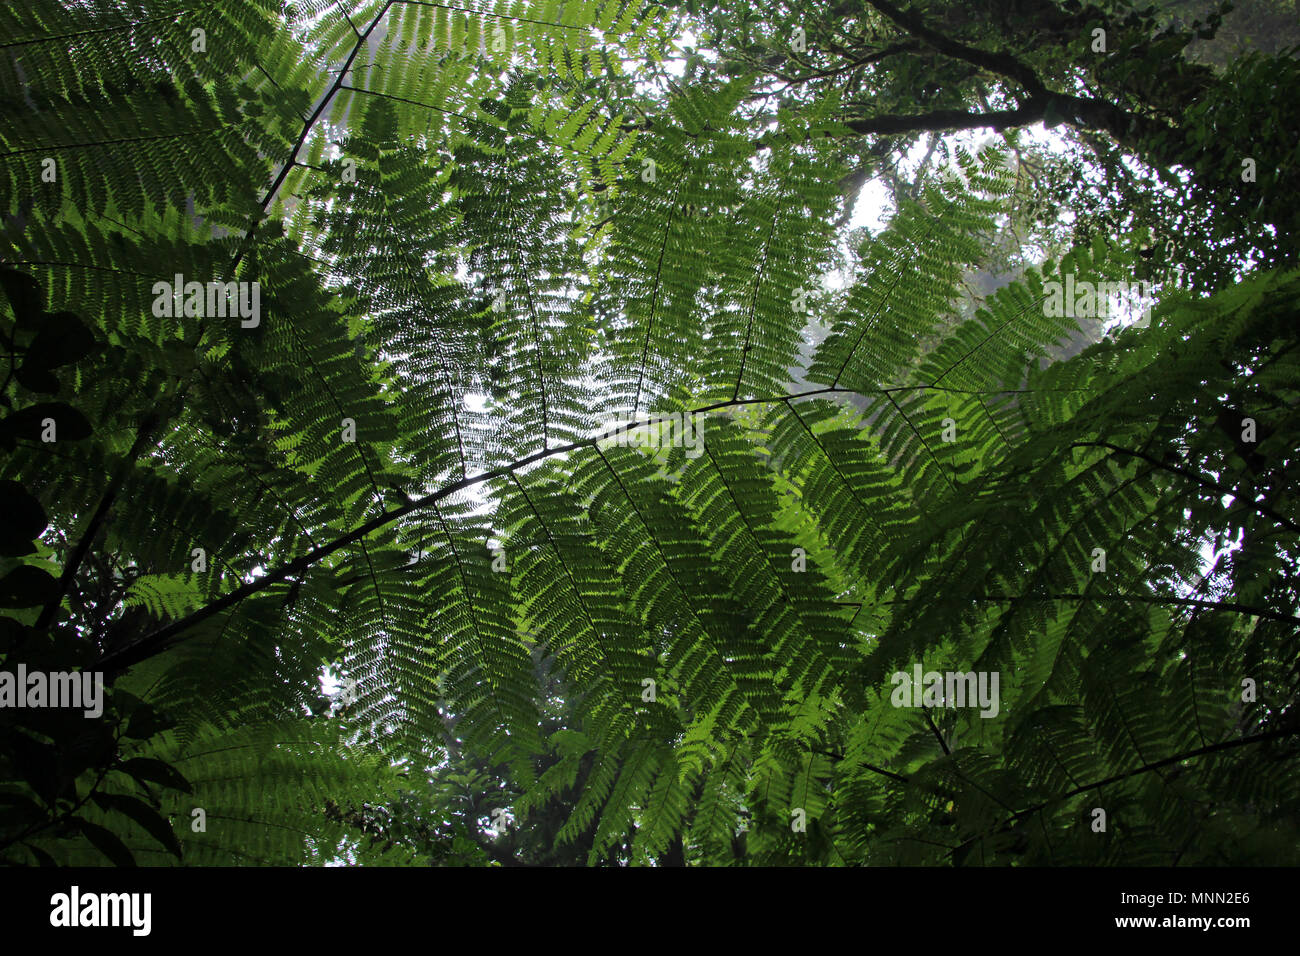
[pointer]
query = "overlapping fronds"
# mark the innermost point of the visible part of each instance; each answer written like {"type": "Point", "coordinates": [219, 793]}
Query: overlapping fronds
{"type": "Point", "coordinates": [394, 519]}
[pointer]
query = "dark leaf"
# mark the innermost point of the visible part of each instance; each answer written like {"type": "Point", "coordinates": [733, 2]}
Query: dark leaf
{"type": "Point", "coordinates": [11, 633]}
{"type": "Point", "coordinates": [38, 764]}
{"type": "Point", "coordinates": [20, 810]}
{"type": "Point", "coordinates": [93, 746]}
{"type": "Point", "coordinates": [37, 379]}
{"type": "Point", "coordinates": [58, 649]}
{"type": "Point", "coordinates": [24, 519]}
{"type": "Point", "coordinates": [29, 422]}
{"type": "Point", "coordinates": [149, 770]}
{"type": "Point", "coordinates": [27, 586]}
{"type": "Point", "coordinates": [42, 858]}
{"type": "Point", "coordinates": [106, 842]}
{"type": "Point", "coordinates": [24, 294]}
{"type": "Point", "coordinates": [146, 721]}
{"type": "Point", "coordinates": [62, 340]}
{"type": "Point", "coordinates": [148, 818]}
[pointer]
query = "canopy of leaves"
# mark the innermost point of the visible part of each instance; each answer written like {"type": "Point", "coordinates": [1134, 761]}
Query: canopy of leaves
{"type": "Point", "coordinates": [373, 571]}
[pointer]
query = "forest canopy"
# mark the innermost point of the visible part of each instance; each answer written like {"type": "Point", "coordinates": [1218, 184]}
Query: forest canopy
{"type": "Point", "coordinates": [525, 432]}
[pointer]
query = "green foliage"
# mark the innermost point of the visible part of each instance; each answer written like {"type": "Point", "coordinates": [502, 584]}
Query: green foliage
{"type": "Point", "coordinates": [373, 579]}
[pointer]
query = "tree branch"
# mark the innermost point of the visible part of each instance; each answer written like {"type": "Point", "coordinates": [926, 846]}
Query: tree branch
{"type": "Point", "coordinates": [1031, 112]}
{"type": "Point", "coordinates": [79, 550]}
{"type": "Point", "coordinates": [1192, 476]}
{"type": "Point", "coordinates": [1145, 768]}
{"type": "Point", "coordinates": [1147, 599]}
{"type": "Point", "coordinates": [1136, 132]}
{"type": "Point", "coordinates": [943, 744]}
{"type": "Point", "coordinates": [862, 763]}
{"type": "Point", "coordinates": [160, 639]}
{"type": "Point", "coordinates": [1003, 64]}
{"type": "Point", "coordinates": [290, 160]}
